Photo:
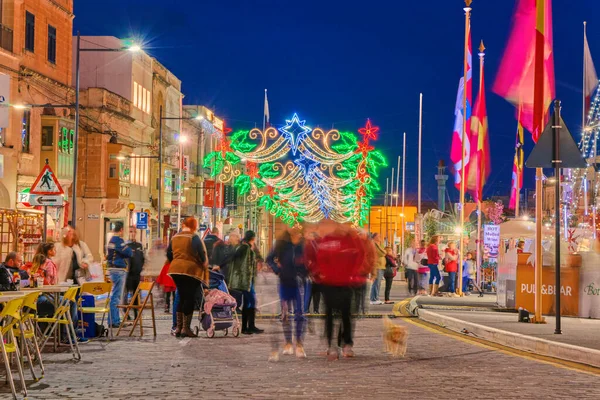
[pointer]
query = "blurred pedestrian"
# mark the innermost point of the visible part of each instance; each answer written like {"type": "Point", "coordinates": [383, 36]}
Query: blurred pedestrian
{"type": "Point", "coordinates": [189, 269]}
{"type": "Point", "coordinates": [287, 261]}
{"type": "Point", "coordinates": [72, 254]}
{"type": "Point", "coordinates": [338, 260]}
{"type": "Point", "coordinates": [134, 273]}
{"type": "Point", "coordinates": [433, 261]}
{"type": "Point", "coordinates": [423, 269]}
{"type": "Point", "coordinates": [412, 266]}
{"type": "Point", "coordinates": [378, 270]}
{"type": "Point", "coordinates": [223, 254]}
{"type": "Point", "coordinates": [168, 286]}
{"type": "Point", "coordinates": [391, 269]}
{"type": "Point", "coordinates": [116, 258]}
{"type": "Point", "coordinates": [451, 266]}
{"type": "Point", "coordinates": [211, 242]}
{"type": "Point", "coordinates": [242, 274]}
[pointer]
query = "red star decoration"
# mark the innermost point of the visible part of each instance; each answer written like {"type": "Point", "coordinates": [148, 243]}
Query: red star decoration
{"type": "Point", "coordinates": [295, 214]}
{"type": "Point", "coordinates": [226, 129]}
{"type": "Point", "coordinates": [224, 146]}
{"type": "Point", "coordinates": [369, 131]}
{"type": "Point", "coordinates": [364, 148]}
{"type": "Point", "coordinates": [284, 201]}
{"type": "Point", "coordinates": [270, 191]}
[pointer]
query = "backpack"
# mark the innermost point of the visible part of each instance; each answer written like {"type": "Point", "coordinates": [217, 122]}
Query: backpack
{"type": "Point", "coordinates": [101, 330]}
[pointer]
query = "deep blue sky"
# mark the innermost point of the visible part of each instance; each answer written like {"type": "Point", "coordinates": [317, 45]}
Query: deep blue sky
{"type": "Point", "coordinates": [339, 62]}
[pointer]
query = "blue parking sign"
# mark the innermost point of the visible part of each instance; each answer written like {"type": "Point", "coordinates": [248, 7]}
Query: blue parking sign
{"type": "Point", "coordinates": [142, 220]}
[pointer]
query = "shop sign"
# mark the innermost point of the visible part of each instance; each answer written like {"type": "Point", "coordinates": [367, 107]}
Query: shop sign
{"type": "Point", "coordinates": [547, 289]}
{"type": "Point", "coordinates": [168, 183]}
{"type": "Point", "coordinates": [186, 168]}
{"type": "Point", "coordinates": [491, 239]}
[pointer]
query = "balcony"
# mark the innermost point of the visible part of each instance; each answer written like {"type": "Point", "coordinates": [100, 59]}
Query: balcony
{"type": "Point", "coordinates": [6, 38]}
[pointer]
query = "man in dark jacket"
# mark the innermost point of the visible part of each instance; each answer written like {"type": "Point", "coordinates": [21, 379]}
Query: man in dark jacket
{"type": "Point", "coordinates": [211, 242]}
{"type": "Point", "coordinates": [136, 265]}
{"type": "Point", "coordinates": [6, 273]}
{"type": "Point", "coordinates": [287, 261]}
{"type": "Point", "coordinates": [13, 263]}
{"type": "Point", "coordinates": [223, 253]}
{"type": "Point", "coordinates": [116, 257]}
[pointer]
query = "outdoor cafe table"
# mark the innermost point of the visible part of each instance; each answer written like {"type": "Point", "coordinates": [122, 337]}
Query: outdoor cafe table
{"type": "Point", "coordinates": [54, 291]}
{"type": "Point", "coordinates": [5, 298]}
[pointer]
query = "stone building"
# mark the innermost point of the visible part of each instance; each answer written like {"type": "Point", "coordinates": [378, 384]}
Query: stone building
{"type": "Point", "coordinates": [35, 70]}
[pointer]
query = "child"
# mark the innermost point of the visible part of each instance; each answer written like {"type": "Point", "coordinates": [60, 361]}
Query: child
{"type": "Point", "coordinates": [168, 285]}
{"type": "Point", "coordinates": [451, 266]}
{"type": "Point", "coordinates": [469, 275]}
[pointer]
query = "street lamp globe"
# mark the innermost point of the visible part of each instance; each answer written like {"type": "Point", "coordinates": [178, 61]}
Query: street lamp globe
{"type": "Point", "coordinates": [135, 48]}
{"type": "Point", "coordinates": [182, 139]}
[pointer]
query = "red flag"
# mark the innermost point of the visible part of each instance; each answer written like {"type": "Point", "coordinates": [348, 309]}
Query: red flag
{"type": "Point", "coordinates": [515, 79]}
{"type": "Point", "coordinates": [479, 166]}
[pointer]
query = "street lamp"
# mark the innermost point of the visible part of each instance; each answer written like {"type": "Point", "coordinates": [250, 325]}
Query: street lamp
{"type": "Point", "coordinates": [160, 160]}
{"type": "Point", "coordinates": [132, 48]}
{"type": "Point", "coordinates": [182, 140]}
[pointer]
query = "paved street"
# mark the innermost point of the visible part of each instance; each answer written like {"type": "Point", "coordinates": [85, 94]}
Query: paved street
{"type": "Point", "coordinates": [436, 366]}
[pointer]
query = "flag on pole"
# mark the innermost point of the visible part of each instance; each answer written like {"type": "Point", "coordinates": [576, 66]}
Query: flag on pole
{"type": "Point", "coordinates": [266, 110]}
{"type": "Point", "coordinates": [479, 166]}
{"type": "Point", "coordinates": [591, 78]}
{"type": "Point", "coordinates": [517, 175]}
{"type": "Point", "coordinates": [456, 149]}
{"type": "Point", "coordinates": [516, 76]}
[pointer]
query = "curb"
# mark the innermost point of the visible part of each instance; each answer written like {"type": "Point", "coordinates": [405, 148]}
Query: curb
{"type": "Point", "coordinates": [517, 341]}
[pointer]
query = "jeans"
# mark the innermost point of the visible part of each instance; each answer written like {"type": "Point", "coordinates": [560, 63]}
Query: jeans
{"type": "Point", "coordinates": [413, 280]}
{"type": "Point", "coordinates": [175, 305]}
{"type": "Point", "coordinates": [465, 284]}
{"type": "Point", "coordinates": [376, 285]}
{"type": "Point", "coordinates": [118, 277]}
{"type": "Point", "coordinates": [338, 299]}
{"type": "Point", "coordinates": [423, 280]}
{"type": "Point", "coordinates": [434, 274]}
{"type": "Point", "coordinates": [451, 282]}
{"type": "Point", "coordinates": [307, 295]}
{"type": "Point", "coordinates": [388, 287]}
{"type": "Point", "coordinates": [292, 296]}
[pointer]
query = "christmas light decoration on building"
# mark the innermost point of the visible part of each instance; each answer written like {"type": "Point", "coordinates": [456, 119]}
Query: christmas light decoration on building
{"type": "Point", "coordinates": [300, 174]}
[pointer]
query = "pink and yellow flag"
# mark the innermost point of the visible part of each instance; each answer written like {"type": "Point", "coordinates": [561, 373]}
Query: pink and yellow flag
{"type": "Point", "coordinates": [516, 76]}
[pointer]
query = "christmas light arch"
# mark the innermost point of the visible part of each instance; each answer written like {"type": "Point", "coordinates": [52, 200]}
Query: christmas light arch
{"type": "Point", "coordinates": [300, 174]}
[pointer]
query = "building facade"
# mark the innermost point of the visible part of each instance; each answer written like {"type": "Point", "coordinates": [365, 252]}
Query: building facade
{"type": "Point", "coordinates": [35, 70]}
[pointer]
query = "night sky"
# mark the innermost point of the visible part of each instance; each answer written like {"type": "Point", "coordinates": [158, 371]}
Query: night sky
{"type": "Point", "coordinates": [340, 62]}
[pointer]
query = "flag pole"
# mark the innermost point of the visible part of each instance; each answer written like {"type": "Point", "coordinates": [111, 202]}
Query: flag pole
{"type": "Point", "coordinates": [519, 168]}
{"type": "Point", "coordinates": [585, 186]}
{"type": "Point", "coordinates": [480, 185]}
{"type": "Point", "coordinates": [403, 191]}
{"type": "Point", "coordinates": [420, 138]}
{"type": "Point", "coordinates": [461, 246]}
{"type": "Point", "coordinates": [538, 126]}
{"type": "Point", "coordinates": [397, 195]}
{"type": "Point", "coordinates": [393, 222]}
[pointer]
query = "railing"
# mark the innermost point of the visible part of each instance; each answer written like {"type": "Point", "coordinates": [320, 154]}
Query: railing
{"type": "Point", "coordinates": [6, 38]}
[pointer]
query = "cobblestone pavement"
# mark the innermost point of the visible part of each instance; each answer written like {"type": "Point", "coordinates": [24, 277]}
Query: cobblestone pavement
{"type": "Point", "coordinates": [436, 366]}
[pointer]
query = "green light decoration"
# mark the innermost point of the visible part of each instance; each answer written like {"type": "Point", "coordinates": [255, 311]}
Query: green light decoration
{"type": "Point", "coordinates": [300, 174]}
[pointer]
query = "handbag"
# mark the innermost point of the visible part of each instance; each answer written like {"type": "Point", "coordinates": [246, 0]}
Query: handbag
{"type": "Point", "coordinates": [424, 262]}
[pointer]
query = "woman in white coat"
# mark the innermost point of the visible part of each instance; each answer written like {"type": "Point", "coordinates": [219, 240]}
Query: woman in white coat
{"type": "Point", "coordinates": [72, 254]}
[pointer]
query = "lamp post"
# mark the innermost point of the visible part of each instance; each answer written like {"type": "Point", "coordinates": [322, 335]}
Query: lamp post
{"type": "Point", "coordinates": [133, 48]}
{"type": "Point", "coordinates": [182, 140]}
{"type": "Point", "coordinates": [161, 118]}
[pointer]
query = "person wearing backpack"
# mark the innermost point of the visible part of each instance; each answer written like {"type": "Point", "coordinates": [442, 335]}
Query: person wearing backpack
{"type": "Point", "coordinates": [136, 265]}
{"type": "Point", "coordinates": [391, 268]}
{"type": "Point", "coordinates": [116, 258]}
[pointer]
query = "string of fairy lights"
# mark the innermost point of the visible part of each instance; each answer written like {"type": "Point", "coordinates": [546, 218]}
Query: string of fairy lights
{"type": "Point", "coordinates": [300, 174]}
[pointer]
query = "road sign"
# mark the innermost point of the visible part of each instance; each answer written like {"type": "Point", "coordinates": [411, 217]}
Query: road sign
{"type": "Point", "coordinates": [23, 198]}
{"type": "Point", "coordinates": [46, 183]}
{"type": "Point", "coordinates": [203, 227]}
{"type": "Point", "coordinates": [46, 200]}
{"type": "Point", "coordinates": [141, 220]}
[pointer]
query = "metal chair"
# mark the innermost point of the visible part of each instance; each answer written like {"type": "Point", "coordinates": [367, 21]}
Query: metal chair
{"type": "Point", "coordinates": [138, 305]}
{"type": "Point", "coordinates": [62, 316]}
{"type": "Point", "coordinates": [10, 317]}
{"type": "Point", "coordinates": [97, 289]}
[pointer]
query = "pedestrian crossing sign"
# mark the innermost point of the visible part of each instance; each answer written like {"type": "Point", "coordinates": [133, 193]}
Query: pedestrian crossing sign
{"type": "Point", "coordinates": [46, 183]}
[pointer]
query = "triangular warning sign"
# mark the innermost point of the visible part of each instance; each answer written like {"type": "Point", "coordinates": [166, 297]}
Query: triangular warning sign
{"type": "Point", "coordinates": [46, 183]}
{"type": "Point", "coordinates": [542, 154]}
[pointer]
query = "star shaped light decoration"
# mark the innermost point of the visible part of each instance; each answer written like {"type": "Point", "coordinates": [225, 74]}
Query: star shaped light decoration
{"type": "Point", "coordinates": [305, 164]}
{"type": "Point", "coordinates": [295, 131]}
{"type": "Point", "coordinates": [369, 131]}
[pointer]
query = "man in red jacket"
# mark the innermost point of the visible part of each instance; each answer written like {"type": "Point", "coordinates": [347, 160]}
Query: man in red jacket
{"type": "Point", "coordinates": [337, 261]}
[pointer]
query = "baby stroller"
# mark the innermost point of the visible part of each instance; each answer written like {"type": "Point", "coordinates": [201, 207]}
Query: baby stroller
{"type": "Point", "coordinates": [222, 315]}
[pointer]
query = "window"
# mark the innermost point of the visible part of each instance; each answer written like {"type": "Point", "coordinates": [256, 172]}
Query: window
{"type": "Point", "coordinates": [148, 110]}
{"type": "Point", "coordinates": [25, 131]}
{"type": "Point", "coordinates": [139, 103]}
{"type": "Point", "coordinates": [112, 171]}
{"type": "Point", "coordinates": [143, 102]}
{"type": "Point", "coordinates": [65, 140]}
{"type": "Point", "coordinates": [51, 44]}
{"type": "Point", "coordinates": [135, 92]}
{"type": "Point", "coordinates": [29, 31]}
{"type": "Point", "coordinates": [47, 137]}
